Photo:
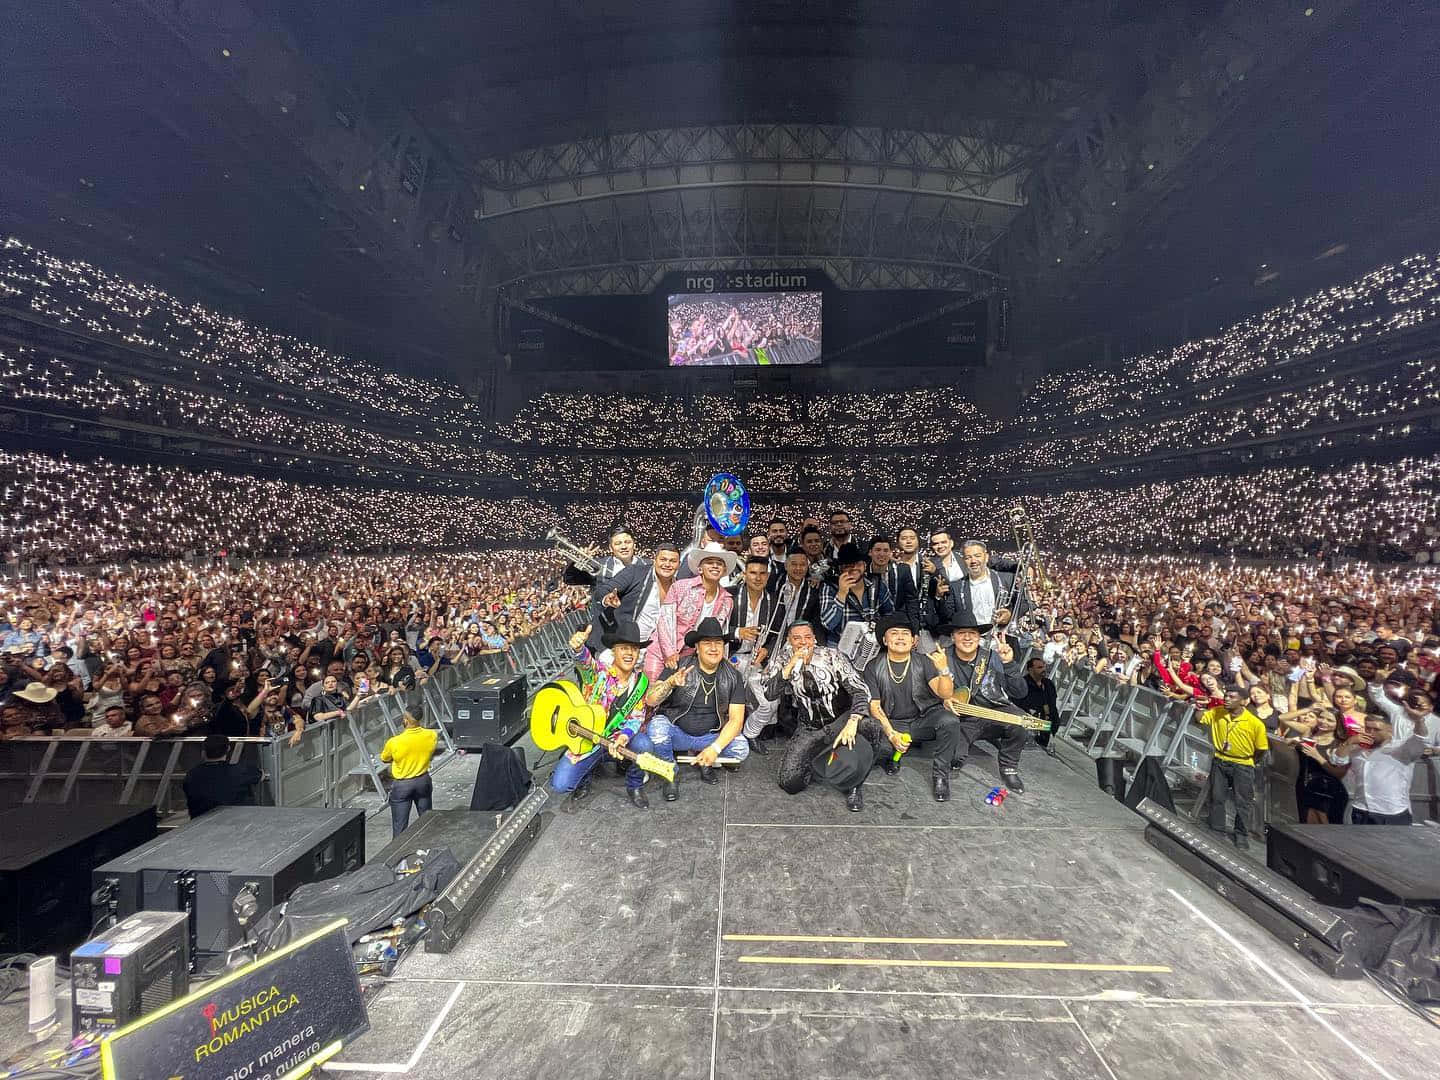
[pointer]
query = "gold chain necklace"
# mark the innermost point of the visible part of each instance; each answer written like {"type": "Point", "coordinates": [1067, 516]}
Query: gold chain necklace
{"type": "Point", "coordinates": [707, 691]}
{"type": "Point", "coordinates": [904, 672]}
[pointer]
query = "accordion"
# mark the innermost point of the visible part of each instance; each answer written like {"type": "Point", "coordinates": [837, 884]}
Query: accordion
{"type": "Point", "coordinates": [858, 644]}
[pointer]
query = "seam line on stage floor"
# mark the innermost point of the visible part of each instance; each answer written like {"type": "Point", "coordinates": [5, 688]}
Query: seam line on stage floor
{"type": "Point", "coordinates": [984, 965]}
{"type": "Point", "coordinates": [1300, 998]}
{"type": "Point", "coordinates": [1089, 1042]}
{"type": "Point", "coordinates": [1100, 999]}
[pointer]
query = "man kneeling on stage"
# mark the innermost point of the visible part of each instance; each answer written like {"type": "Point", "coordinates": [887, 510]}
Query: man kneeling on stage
{"type": "Point", "coordinates": [700, 706]}
{"type": "Point", "coordinates": [822, 685]}
{"type": "Point", "coordinates": [907, 691]}
{"type": "Point", "coordinates": [619, 689]}
{"type": "Point", "coordinates": [988, 677]}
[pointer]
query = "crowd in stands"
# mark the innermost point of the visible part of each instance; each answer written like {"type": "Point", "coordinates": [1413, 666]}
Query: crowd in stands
{"type": "Point", "coordinates": [74, 294]}
{"type": "Point", "coordinates": [921, 416]}
{"type": "Point", "coordinates": [63, 510]}
{"type": "Point", "coordinates": [1390, 299]}
{"type": "Point", "coordinates": [260, 649]}
{"type": "Point", "coordinates": [387, 432]}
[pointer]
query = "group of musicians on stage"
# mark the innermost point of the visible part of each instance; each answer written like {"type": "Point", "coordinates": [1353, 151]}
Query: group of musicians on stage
{"type": "Point", "coordinates": [868, 653]}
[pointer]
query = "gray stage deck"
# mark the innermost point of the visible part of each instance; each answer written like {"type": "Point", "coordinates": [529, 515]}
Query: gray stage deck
{"type": "Point", "coordinates": [664, 944]}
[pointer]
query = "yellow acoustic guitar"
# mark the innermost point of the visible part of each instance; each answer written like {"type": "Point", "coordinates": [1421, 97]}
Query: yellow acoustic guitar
{"type": "Point", "coordinates": [960, 705]}
{"type": "Point", "coordinates": [561, 718]}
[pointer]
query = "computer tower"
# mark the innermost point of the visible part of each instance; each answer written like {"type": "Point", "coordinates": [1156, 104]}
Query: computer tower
{"type": "Point", "coordinates": [131, 969]}
{"type": "Point", "coordinates": [230, 866]}
{"type": "Point", "coordinates": [489, 709]}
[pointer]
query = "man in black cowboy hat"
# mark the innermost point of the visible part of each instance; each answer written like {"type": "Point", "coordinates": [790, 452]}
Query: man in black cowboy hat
{"type": "Point", "coordinates": [619, 689]}
{"type": "Point", "coordinates": [854, 596]}
{"type": "Point", "coordinates": [832, 706]}
{"type": "Point", "coordinates": [995, 681]}
{"type": "Point", "coordinates": [699, 706]}
{"type": "Point", "coordinates": [907, 691]}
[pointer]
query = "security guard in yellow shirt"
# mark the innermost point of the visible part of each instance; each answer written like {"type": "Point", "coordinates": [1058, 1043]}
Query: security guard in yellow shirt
{"type": "Point", "coordinates": [1238, 738]}
{"type": "Point", "coordinates": [409, 754]}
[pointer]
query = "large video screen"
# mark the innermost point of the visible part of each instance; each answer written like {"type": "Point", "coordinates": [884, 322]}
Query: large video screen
{"type": "Point", "coordinates": [739, 329]}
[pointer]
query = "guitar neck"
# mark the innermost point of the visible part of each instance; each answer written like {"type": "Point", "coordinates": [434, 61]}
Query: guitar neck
{"type": "Point", "coordinates": [1000, 716]}
{"type": "Point", "coordinates": [577, 728]}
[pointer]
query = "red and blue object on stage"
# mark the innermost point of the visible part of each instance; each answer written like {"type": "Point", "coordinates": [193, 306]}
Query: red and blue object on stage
{"type": "Point", "coordinates": [996, 796]}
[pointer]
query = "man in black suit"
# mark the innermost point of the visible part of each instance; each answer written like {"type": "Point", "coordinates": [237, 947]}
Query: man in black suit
{"type": "Point", "coordinates": [798, 592]}
{"type": "Point", "coordinates": [1039, 700]}
{"type": "Point", "coordinates": [634, 594]}
{"type": "Point", "coordinates": [757, 621]}
{"type": "Point", "coordinates": [216, 782]}
{"type": "Point", "coordinates": [899, 582]}
{"type": "Point", "coordinates": [978, 596]}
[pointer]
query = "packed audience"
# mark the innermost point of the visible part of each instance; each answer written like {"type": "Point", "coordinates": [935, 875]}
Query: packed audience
{"type": "Point", "coordinates": [1282, 374]}
{"type": "Point", "coordinates": [1387, 301]}
{"type": "Point", "coordinates": [259, 650]}
{"type": "Point", "coordinates": [75, 294]}
{"type": "Point", "coordinates": [921, 416]}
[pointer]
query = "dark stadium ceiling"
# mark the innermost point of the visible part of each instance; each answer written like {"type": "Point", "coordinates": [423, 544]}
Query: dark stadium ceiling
{"type": "Point", "coordinates": [369, 171]}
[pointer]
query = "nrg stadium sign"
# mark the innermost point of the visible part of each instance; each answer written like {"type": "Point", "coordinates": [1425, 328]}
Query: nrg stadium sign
{"type": "Point", "coordinates": [729, 281]}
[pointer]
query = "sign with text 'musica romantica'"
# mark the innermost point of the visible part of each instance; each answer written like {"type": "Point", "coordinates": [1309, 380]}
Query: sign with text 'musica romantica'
{"type": "Point", "coordinates": [273, 1019]}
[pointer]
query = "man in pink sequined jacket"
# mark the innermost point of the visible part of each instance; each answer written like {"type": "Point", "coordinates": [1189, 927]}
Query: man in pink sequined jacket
{"type": "Point", "coordinates": [687, 603]}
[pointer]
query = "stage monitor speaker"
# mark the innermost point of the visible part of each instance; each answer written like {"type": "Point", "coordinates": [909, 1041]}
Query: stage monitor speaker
{"type": "Point", "coordinates": [1341, 864]}
{"type": "Point", "coordinates": [1315, 932]}
{"type": "Point", "coordinates": [230, 866]}
{"type": "Point", "coordinates": [489, 709]}
{"type": "Point", "coordinates": [466, 897]}
{"type": "Point", "coordinates": [46, 852]}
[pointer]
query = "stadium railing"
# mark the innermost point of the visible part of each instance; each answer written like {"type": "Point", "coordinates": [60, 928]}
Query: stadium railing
{"type": "Point", "coordinates": [1111, 719]}
{"type": "Point", "coordinates": [332, 765]}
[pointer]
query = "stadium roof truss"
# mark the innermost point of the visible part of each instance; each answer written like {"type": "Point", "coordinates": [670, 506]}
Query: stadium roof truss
{"type": "Point", "coordinates": [874, 207]}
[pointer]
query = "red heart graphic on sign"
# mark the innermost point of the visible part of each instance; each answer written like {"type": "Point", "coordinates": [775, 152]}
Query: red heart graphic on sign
{"type": "Point", "coordinates": [209, 1011]}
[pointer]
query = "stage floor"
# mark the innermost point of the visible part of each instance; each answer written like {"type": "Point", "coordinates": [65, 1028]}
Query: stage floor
{"type": "Point", "coordinates": [741, 932]}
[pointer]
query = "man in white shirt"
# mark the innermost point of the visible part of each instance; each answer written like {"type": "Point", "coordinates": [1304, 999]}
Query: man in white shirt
{"type": "Point", "coordinates": [1377, 771]}
{"type": "Point", "coordinates": [1415, 711]}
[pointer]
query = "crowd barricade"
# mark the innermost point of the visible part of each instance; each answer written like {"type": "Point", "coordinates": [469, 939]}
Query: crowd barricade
{"type": "Point", "coordinates": [81, 770]}
{"type": "Point", "coordinates": [331, 764]}
{"type": "Point", "coordinates": [1112, 719]}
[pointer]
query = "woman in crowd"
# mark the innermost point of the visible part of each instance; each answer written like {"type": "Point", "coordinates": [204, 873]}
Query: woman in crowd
{"type": "Point", "coordinates": [1319, 795]}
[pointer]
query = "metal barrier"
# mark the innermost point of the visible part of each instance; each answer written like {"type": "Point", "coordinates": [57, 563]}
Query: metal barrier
{"type": "Point", "coordinates": [78, 769]}
{"type": "Point", "coordinates": [1111, 719]}
{"type": "Point", "coordinates": [331, 765]}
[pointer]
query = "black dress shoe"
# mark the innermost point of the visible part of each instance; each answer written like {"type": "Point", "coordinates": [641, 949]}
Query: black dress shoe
{"type": "Point", "coordinates": [957, 764]}
{"type": "Point", "coordinates": [942, 787]}
{"type": "Point", "coordinates": [637, 798]}
{"type": "Point", "coordinates": [581, 791]}
{"type": "Point", "coordinates": [670, 789]}
{"type": "Point", "coordinates": [709, 774]}
{"type": "Point", "coordinates": [757, 746]}
{"type": "Point", "coordinates": [854, 800]}
{"type": "Point", "coordinates": [1013, 783]}
{"type": "Point", "coordinates": [890, 765]}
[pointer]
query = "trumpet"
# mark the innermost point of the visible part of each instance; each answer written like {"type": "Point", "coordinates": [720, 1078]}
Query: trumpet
{"type": "Point", "coordinates": [582, 559]}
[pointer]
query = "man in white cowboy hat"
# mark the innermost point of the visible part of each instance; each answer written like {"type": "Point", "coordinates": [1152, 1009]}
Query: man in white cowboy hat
{"type": "Point", "coordinates": [689, 601]}
{"type": "Point", "coordinates": [37, 709]}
